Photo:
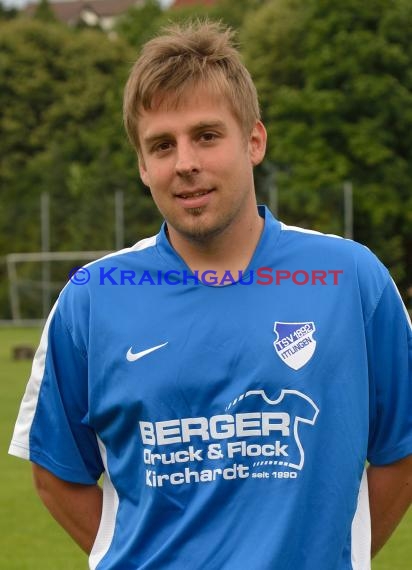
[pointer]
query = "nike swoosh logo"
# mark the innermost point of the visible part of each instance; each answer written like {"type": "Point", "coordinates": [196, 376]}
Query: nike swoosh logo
{"type": "Point", "coordinates": [133, 356]}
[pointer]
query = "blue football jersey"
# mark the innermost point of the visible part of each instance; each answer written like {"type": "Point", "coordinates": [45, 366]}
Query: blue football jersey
{"type": "Point", "coordinates": [232, 418]}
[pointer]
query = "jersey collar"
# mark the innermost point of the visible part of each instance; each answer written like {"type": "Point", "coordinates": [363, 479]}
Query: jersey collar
{"type": "Point", "coordinates": [262, 255]}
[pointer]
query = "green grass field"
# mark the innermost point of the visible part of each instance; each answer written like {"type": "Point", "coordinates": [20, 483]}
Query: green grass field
{"type": "Point", "coordinates": [29, 538]}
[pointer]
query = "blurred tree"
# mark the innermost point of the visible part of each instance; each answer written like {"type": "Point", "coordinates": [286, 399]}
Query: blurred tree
{"type": "Point", "coordinates": [185, 13]}
{"type": "Point", "coordinates": [335, 88]}
{"type": "Point", "coordinates": [234, 14]}
{"type": "Point", "coordinates": [44, 12]}
{"type": "Point", "coordinates": [62, 132]}
{"type": "Point", "coordinates": [140, 23]}
{"type": "Point", "coordinates": [7, 13]}
{"type": "Point", "coordinates": [335, 85]}
{"type": "Point", "coordinates": [228, 12]}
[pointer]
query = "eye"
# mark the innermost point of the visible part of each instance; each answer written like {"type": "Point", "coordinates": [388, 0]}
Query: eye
{"type": "Point", "coordinates": [162, 147]}
{"type": "Point", "coordinates": [208, 137]}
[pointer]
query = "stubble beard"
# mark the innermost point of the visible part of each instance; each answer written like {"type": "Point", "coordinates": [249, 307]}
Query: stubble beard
{"type": "Point", "coordinates": [201, 233]}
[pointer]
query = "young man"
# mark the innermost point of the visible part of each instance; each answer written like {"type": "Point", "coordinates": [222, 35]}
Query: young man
{"type": "Point", "coordinates": [230, 376]}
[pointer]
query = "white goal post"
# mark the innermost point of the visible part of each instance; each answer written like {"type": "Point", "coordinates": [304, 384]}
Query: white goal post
{"type": "Point", "coordinates": [44, 284]}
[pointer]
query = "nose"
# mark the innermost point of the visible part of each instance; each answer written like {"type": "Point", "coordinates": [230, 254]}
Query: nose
{"type": "Point", "coordinates": [187, 160]}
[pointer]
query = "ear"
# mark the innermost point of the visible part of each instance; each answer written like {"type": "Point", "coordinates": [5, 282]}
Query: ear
{"type": "Point", "coordinates": [257, 143]}
{"type": "Point", "coordinates": [142, 170]}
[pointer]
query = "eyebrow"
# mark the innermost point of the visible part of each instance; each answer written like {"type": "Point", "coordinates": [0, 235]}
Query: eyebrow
{"type": "Point", "coordinates": [202, 125]}
{"type": "Point", "coordinates": [209, 125]}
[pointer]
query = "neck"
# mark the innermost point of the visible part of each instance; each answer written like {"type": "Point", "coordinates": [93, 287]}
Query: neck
{"type": "Point", "coordinates": [230, 250]}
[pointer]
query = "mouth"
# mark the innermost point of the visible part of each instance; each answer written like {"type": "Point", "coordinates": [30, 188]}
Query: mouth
{"type": "Point", "coordinates": [194, 199]}
{"type": "Point", "coordinates": [196, 194]}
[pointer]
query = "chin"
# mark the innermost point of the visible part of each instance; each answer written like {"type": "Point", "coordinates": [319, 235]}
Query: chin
{"type": "Point", "coordinates": [202, 233]}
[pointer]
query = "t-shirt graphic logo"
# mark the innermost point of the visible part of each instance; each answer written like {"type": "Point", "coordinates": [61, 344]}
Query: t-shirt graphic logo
{"type": "Point", "coordinates": [281, 419]}
{"type": "Point", "coordinates": [295, 344]}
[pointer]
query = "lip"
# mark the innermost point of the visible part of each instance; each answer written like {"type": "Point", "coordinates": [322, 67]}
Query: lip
{"type": "Point", "coordinates": [196, 198]}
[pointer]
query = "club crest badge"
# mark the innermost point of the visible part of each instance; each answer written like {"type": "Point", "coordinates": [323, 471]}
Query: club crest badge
{"type": "Point", "coordinates": [294, 343]}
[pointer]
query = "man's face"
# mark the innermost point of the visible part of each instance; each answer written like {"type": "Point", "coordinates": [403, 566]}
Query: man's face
{"type": "Point", "coordinates": [198, 165]}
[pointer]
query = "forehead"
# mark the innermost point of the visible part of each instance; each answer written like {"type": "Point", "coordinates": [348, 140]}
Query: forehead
{"type": "Point", "coordinates": [213, 86]}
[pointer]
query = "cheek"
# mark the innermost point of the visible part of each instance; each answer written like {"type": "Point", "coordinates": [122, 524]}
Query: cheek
{"type": "Point", "coordinates": [156, 176]}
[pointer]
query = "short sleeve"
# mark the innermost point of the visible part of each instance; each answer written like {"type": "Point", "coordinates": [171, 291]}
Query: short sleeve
{"type": "Point", "coordinates": [389, 342]}
{"type": "Point", "coordinates": [51, 428]}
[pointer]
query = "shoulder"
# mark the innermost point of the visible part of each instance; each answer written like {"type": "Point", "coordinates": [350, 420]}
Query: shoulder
{"type": "Point", "coordinates": [363, 272]}
{"type": "Point", "coordinates": [306, 238]}
{"type": "Point", "coordinates": [333, 248]}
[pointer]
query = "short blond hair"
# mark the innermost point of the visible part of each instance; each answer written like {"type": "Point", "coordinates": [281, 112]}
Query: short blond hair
{"type": "Point", "coordinates": [187, 56]}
